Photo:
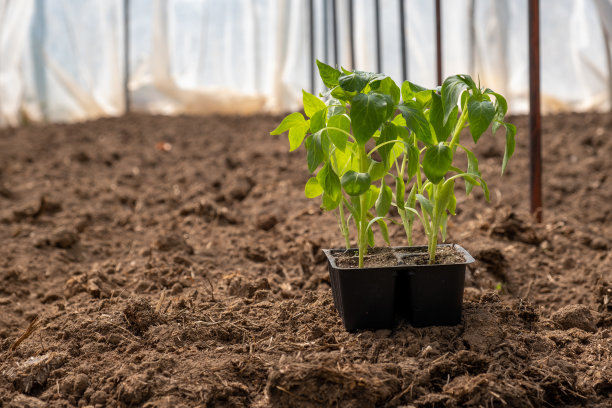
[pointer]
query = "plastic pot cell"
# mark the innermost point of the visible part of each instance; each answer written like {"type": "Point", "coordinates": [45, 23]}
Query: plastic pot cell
{"type": "Point", "coordinates": [377, 297]}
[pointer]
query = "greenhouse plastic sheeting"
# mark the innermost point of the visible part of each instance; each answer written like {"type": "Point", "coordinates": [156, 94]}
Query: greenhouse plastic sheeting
{"type": "Point", "coordinates": [63, 60]}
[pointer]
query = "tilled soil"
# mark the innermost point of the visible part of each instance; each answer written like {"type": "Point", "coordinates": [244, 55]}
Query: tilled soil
{"type": "Point", "coordinates": [175, 262]}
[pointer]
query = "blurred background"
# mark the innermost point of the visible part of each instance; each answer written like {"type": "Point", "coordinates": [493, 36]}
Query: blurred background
{"type": "Point", "coordinates": [71, 60]}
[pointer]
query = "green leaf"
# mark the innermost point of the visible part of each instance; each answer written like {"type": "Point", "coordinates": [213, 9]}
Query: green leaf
{"type": "Point", "coordinates": [291, 120]}
{"type": "Point", "coordinates": [416, 121]}
{"type": "Point", "coordinates": [452, 204]}
{"type": "Point", "coordinates": [349, 159]}
{"type": "Point", "coordinates": [437, 162]}
{"type": "Point", "coordinates": [371, 242]}
{"type": "Point", "coordinates": [411, 202]}
{"type": "Point", "coordinates": [387, 134]}
{"type": "Point", "coordinates": [354, 183]}
{"type": "Point", "coordinates": [383, 202]}
{"type": "Point", "coordinates": [312, 104]}
{"type": "Point", "coordinates": [388, 87]}
{"type": "Point", "coordinates": [333, 109]}
{"type": "Point", "coordinates": [472, 168]}
{"type": "Point", "coordinates": [443, 223]}
{"type": "Point", "coordinates": [436, 118]}
{"type": "Point", "coordinates": [317, 121]}
{"type": "Point", "coordinates": [402, 132]}
{"type": "Point", "coordinates": [377, 169]}
{"type": "Point", "coordinates": [337, 137]}
{"type": "Point", "coordinates": [399, 120]}
{"type": "Point", "coordinates": [480, 114]}
{"type": "Point", "coordinates": [328, 74]}
{"type": "Point", "coordinates": [314, 155]}
{"type": "Point", "coordinates": [485, 188]}
{"type": "Point", "coordinates": [297, 135]}
{"type": "Point", "coordinates": [501, 107]}
{"type": "Point", "coordinates": [445, 194]}
{"type": "Point", "coordinates": [322, 143]}
{"type": "Point", "coordinates": [426, 205]}
{"type": "Point", "coordinates": [424, 97]}
{"type": "Point", "coordinates": [400, 190]}
{"type": "Point", "coordinates": [384, 230]}
{"type": "Point", "coordinates": [412, 161]}
{"type": "Point", "coordinates": [510, 143]}
{"type": "Point", "coordinates": [452, 88]}
{"type": "Point", "coordinates": [355, 81]}
{"type": "Point", "coordinates": [313, 188]}
{"type": "Point", "coordinates": [372, 195]}
{"type": "Point", "coordinates": [342, 95]}
{"type": "Point", "coordinates": [329, 203]}
{"type": "Point", "coordinates": [409, 90]}
{"type": "Point", "coordinates": [368, 112]}
{"type": "Point", "coordinates": [329, 181]}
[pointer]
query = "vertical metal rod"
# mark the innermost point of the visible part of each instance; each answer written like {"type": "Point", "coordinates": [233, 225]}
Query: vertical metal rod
{"type": "Point", "coordinates": [126, 55]}
{"type": "Point", "coordinates": [351, 39]}
{"type": "Point", "coordinates": [438, 43]}
{"type": "Point", "coordinates": [312, 46]}
{"type": "Point", "coordinates": [378, 37]}
{"type": "Point", "coordinates": [535, 142]}
{"type": "Point", "coordinates": [335, 32]}
{"type": "Point", "coordinates": [403, 40]}
{"type": "Point", "coordinates": [326, 31]}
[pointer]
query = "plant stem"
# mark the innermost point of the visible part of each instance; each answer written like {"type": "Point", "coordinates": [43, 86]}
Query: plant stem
{"type": "Point", "coordinates": [458, 128]}
{"type": "Point", "coordinates": [435, 226]}
{"type": "Point", "coordinates": [407, 225]}
{"type": "Point", "coordinates": [343, 225]}
{"type": "Point", "coordinates": [363, 222]}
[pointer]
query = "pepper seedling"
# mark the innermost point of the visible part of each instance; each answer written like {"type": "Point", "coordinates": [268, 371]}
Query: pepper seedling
{"type": "Point", "coordinates": [358, 117]}
{"type": "Point", "coordinates": [433, 117]}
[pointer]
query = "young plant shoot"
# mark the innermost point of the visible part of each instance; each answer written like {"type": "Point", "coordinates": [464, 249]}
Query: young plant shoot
{"type": "Point", "coordinates": [365, 131]}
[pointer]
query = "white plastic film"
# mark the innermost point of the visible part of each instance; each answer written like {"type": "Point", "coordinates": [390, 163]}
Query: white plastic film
{"type": "Point", "coordinates": [63, 60]}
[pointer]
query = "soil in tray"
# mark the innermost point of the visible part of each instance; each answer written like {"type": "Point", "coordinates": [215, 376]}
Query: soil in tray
{"type": "Point", "coordinates": [387, 256]}
{"type": "Point", "coordinates": [376, 257]}
{"type": "Point", "coordinates": [444, 256]}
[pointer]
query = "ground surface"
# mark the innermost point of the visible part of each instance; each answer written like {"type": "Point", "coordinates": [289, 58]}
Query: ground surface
{"type": "Point", "coordinates": [194, 276]}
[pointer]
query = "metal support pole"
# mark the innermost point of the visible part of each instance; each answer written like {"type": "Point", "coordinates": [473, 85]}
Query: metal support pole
{"type": "Point", "coordinates": [535, 142]}
{"type": "Point", "coordinates": [326, 31]}
{"type": "Point", "coordinates": [351, 39]}
{"type": "Point", "coordinates": [335, 32]}
{"type": "Point", "coordinates": [126, 55]}
{"type": "Point", "coordinates": [438, 43]}
{"type": "Point", "coordinates": [312, 40]}
{"type": "Point", "coordinates": [403, 40]}
{"type": "Point", "coordinates": [377, 27]}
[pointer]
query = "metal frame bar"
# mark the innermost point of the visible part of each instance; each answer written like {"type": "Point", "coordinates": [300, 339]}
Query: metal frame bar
{"type": "Point", "coordinates": [438, 43]}
{"type": "Point", "coordinates": [402, 24]}
{"type": "Point", "coordinates": [535, 136]}
{"type": "Point", "coordinates": [126, 56]}
{"type": "Point", "coordinates": [351, 32]}
{"type": "Point", "coordinates": [335, 31]}
{"type": "Point", "coordinates": [378, 36]}
{"type": "Point", "coordinates": [312, 45]}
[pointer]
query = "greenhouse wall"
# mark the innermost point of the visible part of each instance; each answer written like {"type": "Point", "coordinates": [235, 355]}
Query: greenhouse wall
{"type": "Point", "coordinates": [63, 60]}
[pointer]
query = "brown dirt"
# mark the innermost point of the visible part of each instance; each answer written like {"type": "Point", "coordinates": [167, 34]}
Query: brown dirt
{"type": "Point", "coordinates": [386, 256]}
{"type": "Point", "coordinates": [193, 276]}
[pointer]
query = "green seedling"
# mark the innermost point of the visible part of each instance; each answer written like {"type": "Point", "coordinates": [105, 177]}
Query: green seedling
{"type": "Point", "coordinates": [435, 124]}
{"type": "Point", "coordinates": [364, 126]}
